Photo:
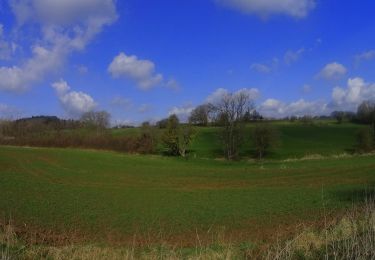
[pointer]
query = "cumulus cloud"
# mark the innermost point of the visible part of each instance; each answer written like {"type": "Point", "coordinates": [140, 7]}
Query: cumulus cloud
{"type": "Point", "coordinates": [173, 84]}
{"type": "Point", "coordinates": [182, 112]}
{"type": "Point", "coordinates": [140, 71]}
{"type": "Point", "coordinates": [349, 98]}
{"type": "Point", "coordinates": [219, 93]}
{"type": "Point", "coordinates": [293, 56]}
{"type": "Point", "coordinates": [260, 68]}
{"type": "Point", "coordinates": [333, 71]}
{"type": "Point", "coordinates": [365, 56]}
{"type": "Point", "coordinates": [63, 27]}
{"type": "Point", "coordinates": [264, 8]}
{"type": "Point", "coordinates": [74, 103]}
{"type": "Point", "coordinates": [278, 109]}
{"type": "Point", "coordinates": [18, 79]}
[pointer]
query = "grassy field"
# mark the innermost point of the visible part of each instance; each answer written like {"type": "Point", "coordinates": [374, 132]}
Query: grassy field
{"type": "Point", "coordinates": [297, 140]}
{"type": "Point", "coordinates": [110, 197]}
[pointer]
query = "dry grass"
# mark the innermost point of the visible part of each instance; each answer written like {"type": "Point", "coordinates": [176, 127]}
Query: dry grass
{"type": "Point", "coordinates": [351, 237]}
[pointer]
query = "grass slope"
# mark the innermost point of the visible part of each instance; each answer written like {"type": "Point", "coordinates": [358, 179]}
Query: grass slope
{"type": "Point", "coordinates": [297, 140]}
{"type": "Point", "coordinates": [110, 193]}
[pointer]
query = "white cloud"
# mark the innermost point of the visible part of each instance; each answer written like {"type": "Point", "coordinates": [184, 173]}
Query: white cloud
{"type": "Point", "coordinates": [74, 103]}
{"type": "Point", "coordinates": [349, 98]}
{"type": "Point", "coordinates": [278, 109]}
{"type": "Point", "coordinates": [260, 68]}
{"type": "Point", "coordinates": [64, 27]}
{"type": "Point", "coordinates": [293, 56]}
{"type": "Point", "coordinates": [182, 112]}
{"type": "Point", "coordinates": [173, 84]}
{"type": "Point", "coordinates": [219, 93]}
{"type": "Point", "coordinates": [92, 13]}
{"type": "Point", "coordinates": [365, 56]}
{"type": "Point", "coordinates": [264, 8]}
{"type": "Point", "coordinates": [19, 78]}
{"type": "Point", "coordinates": [140, 71]}
{"type": "Point", "coordinates": [333, 71]}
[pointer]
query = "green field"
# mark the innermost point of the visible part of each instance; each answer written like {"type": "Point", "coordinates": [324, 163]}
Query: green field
{"type": "Point", "coordinates": [106, 194]}
{"type": "Point", "coordinates": [297, 140]}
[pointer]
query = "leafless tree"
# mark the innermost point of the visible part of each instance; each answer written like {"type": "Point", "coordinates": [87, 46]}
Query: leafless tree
{"type": "Point", "coordinates": [231, 110]}
{"type": "Point", "coordinates": [98, 120]}
{"type": "Point", "coordinates": [366, 113]}
{"type": "Point", "coordinates": [147, 141]}
{"type": "Point", "coordinates": [200, 115]}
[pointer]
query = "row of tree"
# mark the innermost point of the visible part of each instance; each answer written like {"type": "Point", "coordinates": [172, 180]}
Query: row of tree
{"type": "Point", "coordinates": [232, 111]}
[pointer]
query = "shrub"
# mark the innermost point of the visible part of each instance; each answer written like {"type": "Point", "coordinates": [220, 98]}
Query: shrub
{"type": "Point", "coordinates": [365, 140]}
{"type": "Point", "coordinates": [265, 137]}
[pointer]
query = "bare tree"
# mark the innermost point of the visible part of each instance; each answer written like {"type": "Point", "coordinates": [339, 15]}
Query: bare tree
{"type": "Point", "coordinates": [147, 141]}
{"type": "Point", "coordinates": [231, 110]}
{"type": "Point", "coordinates": [200, 115]}
{"type": "Point", "coordinates": [339, 116]}
{"type": "Point", "coordinates": [98, 120]}
{"type": "Point", "coordinates": [366, 113]}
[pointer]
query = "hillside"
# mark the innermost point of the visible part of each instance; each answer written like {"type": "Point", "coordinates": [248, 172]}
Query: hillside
{"type": "Point", "coordinates": [297, 140]}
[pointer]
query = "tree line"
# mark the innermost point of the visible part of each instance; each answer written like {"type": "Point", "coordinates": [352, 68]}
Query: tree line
{"type": "Point", "coordinates": [230, 114]}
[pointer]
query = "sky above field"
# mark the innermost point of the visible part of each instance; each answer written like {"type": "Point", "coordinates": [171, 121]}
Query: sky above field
{"type": "Point", "coordinates": [143, 60]}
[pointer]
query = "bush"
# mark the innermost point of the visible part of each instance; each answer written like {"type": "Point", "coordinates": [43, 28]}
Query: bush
{"type": "Point", "coordinates": [177, 137]}
{"type": "Point", "coordinates": [365, 140]}
{"type": "Point", "coordinates": [265, 137]}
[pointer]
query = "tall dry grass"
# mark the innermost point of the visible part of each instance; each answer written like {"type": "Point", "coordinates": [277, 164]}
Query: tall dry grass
{"type": "Point", "coordinates": [351, 237]}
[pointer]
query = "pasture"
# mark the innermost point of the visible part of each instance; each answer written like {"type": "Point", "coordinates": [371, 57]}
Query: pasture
{"type": "Point", "coordinates": [113, 197]}
{"type": "Point", "coordinates": [297, 140]}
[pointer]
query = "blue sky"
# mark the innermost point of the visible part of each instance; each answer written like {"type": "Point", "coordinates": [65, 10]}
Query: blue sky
{"type": "Point", "coordinates": [142, 60]}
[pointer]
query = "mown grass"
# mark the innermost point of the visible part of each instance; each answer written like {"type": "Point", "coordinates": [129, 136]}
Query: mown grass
{"type": "Point", "coordinates": [115, 197]}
